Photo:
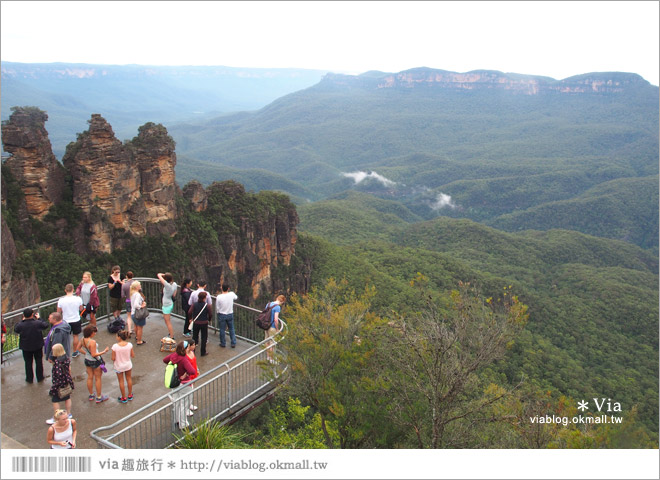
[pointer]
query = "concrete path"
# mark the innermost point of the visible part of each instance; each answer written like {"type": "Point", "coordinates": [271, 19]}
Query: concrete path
{"type": "Point", "coordinates": [26, 407]}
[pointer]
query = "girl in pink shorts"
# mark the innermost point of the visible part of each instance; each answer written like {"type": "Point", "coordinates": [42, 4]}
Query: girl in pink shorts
{"type": "Point", "coordinates": [122, 352]}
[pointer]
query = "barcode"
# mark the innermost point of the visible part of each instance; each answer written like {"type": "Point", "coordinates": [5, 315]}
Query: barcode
{"type": "Point", "coordinates": [51, 464]}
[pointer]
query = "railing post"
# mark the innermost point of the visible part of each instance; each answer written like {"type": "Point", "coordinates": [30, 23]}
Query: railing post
{"type": "Point", "coordinates": [107, 303]}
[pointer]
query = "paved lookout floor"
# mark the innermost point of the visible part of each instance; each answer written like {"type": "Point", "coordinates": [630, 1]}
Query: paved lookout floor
{"type": "Point", "coordinates": [26, 407]}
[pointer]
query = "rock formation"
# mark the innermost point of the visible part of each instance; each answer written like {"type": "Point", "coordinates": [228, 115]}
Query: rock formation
{"type": "Point", "coordinates": [194, 192]}
{"type": "Point", "coordinates": [256, 240]}
{"type": "Point", "coordinates": [117, 192]}
{"type": "Point", "coordinates": [123, 188]}
{"type": "Point", "coordinates": [32, 162]}
{"type": "Point", "coordinates": [17, 288]}
{"type": "Point", "coordinates": [154, 154]}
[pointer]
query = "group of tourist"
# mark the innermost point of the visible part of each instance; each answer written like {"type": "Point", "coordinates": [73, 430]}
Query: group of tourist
{"type": "Point", "coordinates": [63, 342]}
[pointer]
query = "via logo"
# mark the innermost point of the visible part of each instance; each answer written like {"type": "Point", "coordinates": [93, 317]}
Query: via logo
{"type": "Point", "coordinates": [601, 405]}
{"type": "Point", "coordinates": [611, 407]}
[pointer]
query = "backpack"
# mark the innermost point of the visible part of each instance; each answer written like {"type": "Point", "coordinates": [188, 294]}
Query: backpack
{"type": "Point", "coordinates": [116, 325]}
{"type": "Point", "coordinates": [172, 376]}
{"type": "Point", "coordinates": [263, 319]}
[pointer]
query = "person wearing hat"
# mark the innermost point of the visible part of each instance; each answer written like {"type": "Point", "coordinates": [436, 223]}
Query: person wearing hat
{"type": "Point", "coordinates": [31, 342]}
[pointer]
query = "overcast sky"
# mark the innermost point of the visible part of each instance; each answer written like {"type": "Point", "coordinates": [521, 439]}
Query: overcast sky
{"type": "Point", "coordinates": [555, 39]}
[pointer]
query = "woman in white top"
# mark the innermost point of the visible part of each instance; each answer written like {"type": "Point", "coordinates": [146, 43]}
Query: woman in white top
{"type": "Point", "coordinates": [62, 434]}
{"type": "Point", "coordinates": [138, 301]}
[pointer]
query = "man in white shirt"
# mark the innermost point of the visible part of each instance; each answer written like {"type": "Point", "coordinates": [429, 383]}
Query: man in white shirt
{"type": "Point", "coordinates": [224, 306]}
{"type": "Point", "coordinates": [70, 306]}
{"type": "Point", "coordinates": [201, 287]}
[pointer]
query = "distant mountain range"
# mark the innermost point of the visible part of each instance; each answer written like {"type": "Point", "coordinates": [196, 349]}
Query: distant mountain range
{"type": "Point", "coordinates": [509, 150]}
{"type": "Point", "coordinates": [130, 95]}
{"type": "Point", "coordinates": [512, 151]}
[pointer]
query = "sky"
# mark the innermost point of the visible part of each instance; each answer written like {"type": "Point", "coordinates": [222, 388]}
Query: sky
{"type": "Point", "coordinates": [554, 39]}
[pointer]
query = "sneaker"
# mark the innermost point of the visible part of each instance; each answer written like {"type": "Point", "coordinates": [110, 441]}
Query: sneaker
{"type": "Point", "coordinates": [102, 399]}
{"type": "Point", "coordinates": [190, 413]}
{"type": "Point", "coordinates": [50, 421]}
{"type": "Point", "coordinates": [91, 397]}
{"type": "Point", "coordinates": [187, 334]}
{"type": "Point", "coordinates": [193, 407]}
{"type": "Point", "coordinates": [129, 398]}
{"type": "Point", "coordinates": [122, 399]}
{"type": "Point", "coordinates": [233, 346]}
{"type": "Point", "coordinates": [223, 346]}
{"type": "Point", "coordinates": [75, 354]}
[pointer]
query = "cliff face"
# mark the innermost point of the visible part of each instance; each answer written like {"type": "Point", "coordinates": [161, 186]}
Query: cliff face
{"type": "Point", "coordinates": [122, 191]}
{"type": "Point", "coordinates": [155, 157]}
{"type": "Point", "coordinates": [122, 188]}
{"type": "Point", "coordinates": [259, 237]}
{"type": "Point", "coordinates": [32, 163]}
{"type": "Point", "coordinates": [17, 291]}
{"type": "Point", "coordinates": [599, 83]}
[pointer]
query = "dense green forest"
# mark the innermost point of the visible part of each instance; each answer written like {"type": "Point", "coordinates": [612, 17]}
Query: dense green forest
{"type": "Point", "coordinates": [492, 258]}
{"type": "Point", "coordinates": [584, 162]}
{"type": "Point", "coordinates": [588, 328]}
{"type": "Point", "coordinates": [593, 303]}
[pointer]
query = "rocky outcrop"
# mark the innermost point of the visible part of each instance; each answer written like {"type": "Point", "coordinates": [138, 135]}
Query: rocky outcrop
{"type": "Point", "coordinates": [18, 289]}
{"type": "Point", "coordinates": [155, 157]}
{"type": "Point", "coordinates": [106, 184]}
{"type": "Point", "coordinates": [194, 192]}
{"type": "Point", "coordinates": [32, 162]}
{"type": "Point", "coordinates": [123, 188]}
{"type": "Point", "coordinates": [122, 191]}
{"type": "Point", "coordinates": [258, 238]}
{"type": "Point", "coordinates": [599, 83]}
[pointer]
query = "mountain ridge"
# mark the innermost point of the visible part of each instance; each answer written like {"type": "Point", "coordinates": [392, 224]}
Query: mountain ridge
{"type": "Point", "coordinates": [595, 82]}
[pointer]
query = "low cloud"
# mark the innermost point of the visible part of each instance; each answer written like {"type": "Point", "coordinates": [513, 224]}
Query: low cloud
{"type": "Point", "coordinates": [442, 200]}
{"type": "Point", "coordinates": [359, 177]}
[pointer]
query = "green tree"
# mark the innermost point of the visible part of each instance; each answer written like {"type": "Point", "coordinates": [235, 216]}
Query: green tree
{"type": "Point", "coordinates": [434, 359]}
{"type": "Point", "coordinates": [293, 426]}
{"type": "Point", "coordinates": [330, 352]}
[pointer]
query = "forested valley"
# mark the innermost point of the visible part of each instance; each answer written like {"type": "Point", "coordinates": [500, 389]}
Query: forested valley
{"type": "Point", "coordinates": [473, 260]}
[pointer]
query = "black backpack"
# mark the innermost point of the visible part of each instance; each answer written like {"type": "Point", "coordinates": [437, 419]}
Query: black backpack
{"type": "Point", "coordinates": [116, 325]}
{"type": "Point", "coordinates": [263, 320]}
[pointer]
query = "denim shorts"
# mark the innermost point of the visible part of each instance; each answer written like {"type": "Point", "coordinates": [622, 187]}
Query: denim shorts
{"type": "Point", "coordinates": [93, 363]}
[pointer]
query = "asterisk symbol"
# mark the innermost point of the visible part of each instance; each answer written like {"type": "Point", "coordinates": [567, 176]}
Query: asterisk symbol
{"type": "Point", "coordinates": [583, 405]}
{"type": "Point", "coordinates": [171, 465]}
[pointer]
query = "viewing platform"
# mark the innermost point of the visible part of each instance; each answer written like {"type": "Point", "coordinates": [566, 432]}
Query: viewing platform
{"type": "Point", "coordinates": [231, 381]}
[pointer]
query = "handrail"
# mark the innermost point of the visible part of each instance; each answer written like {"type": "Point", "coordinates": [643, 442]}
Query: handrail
{"type": "Point", "coordinates": [253, 353]}
{"type": "Point", "coordinates": [241, 377]}
{"type": "Point", "coordinates": [15, 316]}
{"type": "Point", "coordinates": [150, 289]}
{"type": "Point", "coordinates": [207, 385]}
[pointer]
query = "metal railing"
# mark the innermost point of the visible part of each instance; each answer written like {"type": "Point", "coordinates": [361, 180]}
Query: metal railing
{"type": "Point", "coordinates": [151, 287]}
{"type": "Point", "coordinates": [44, 309]}
{"type": "Point", "coordinates": [218, 393]}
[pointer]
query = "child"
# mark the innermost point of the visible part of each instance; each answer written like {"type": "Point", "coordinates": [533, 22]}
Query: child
{"type": "Point", "coordinates": [61, 378]}
{"type": "Point", "coordinates": [122, 352]}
